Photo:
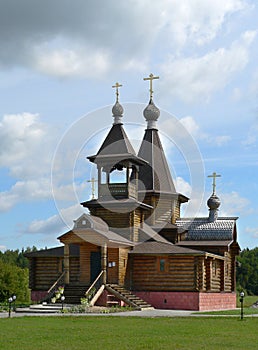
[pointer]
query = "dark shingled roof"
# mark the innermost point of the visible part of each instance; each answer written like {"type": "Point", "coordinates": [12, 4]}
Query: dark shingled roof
{"type": "Point", "coordinates": [156, 248]}
{"type": "Point", "coordinates": [56, 252]}
{"type": "Point", "coordinates": [147, 233]}
{"type": "Point", "coordinates": [155, 176]}
{"type": "Point", "coordinates": [201, 229]}
{"type": "Point", "coordinates": [123, 204]}
{"type": "Point", "coordinates": [204, 243]}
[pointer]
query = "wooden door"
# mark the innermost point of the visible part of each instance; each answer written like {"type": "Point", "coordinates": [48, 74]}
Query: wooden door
{"type": "Point", "coordinates": [95, 265]}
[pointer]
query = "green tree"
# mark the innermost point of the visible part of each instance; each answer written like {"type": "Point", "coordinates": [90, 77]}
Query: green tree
{"type": "Point", "coordinates": [13, 280]}
{"type": "Point", "coordinates": [247, 271]}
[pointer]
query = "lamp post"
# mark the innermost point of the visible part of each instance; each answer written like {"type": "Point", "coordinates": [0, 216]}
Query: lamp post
{"type": "Point", "coordinates": [14, 305]}
{"type": "Point", "coordinates": [10, 301]}
{"type": "Point", "coordinates": [242, 294]}
{"type": "Point", "coordinates": [62, 300]}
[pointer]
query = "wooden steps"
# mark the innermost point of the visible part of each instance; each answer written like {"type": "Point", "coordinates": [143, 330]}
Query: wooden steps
{"type": "Point", "coordinates": [119, 292]}
{"type": "Point", "coordinates": [73, 292]}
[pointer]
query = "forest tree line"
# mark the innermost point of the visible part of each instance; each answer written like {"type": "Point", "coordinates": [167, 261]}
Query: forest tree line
{"type": "Point", "coordinates": [14, 273]}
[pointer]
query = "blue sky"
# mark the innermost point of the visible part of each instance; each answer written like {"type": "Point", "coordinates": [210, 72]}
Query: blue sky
{"type": "Point", "coordinates": [58, 62]}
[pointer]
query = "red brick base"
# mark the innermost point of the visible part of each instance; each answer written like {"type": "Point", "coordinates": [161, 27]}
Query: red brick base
{"type": "Point", "coordinates": [195, 301]}
{"type": "Point", "coordinates": [38, 295]}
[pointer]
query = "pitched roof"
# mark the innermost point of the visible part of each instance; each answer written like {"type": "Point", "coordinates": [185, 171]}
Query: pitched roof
{"type": "Point", "coordinates": [201, 229]}
{"type": "Point", "coordinates": [146, 233]}
{"type": "Point", "coordinates": [115, 143]}
{"type": "Point", "coordinates": [157, 248]}
{"type": "Point", "coordinates": [124, 204]}
{"type": "Point", "coordinates": [93, 229]}
{"type": "Point", "coordinates": [54, 252]}
{"type": "Point", "coordinates": [156, 175]}
{"type": "Point", "coordinates": [204, 243]}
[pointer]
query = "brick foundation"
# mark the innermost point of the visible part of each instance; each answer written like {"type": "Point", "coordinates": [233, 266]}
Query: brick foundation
{"type": "Point", "coordinates": [38, 295]}
{"type": "Point", "coordinates": [195, 301]}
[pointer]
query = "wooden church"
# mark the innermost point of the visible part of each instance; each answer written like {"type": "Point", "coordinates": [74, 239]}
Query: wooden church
{"type": "Point", "coordinates": [132, 247]}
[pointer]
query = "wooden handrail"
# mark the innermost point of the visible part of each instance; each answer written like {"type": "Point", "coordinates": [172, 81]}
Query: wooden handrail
{"type": "Point", "coordinates": [56, 282]}
{"type": "Point", "coordinates": [95, 281]}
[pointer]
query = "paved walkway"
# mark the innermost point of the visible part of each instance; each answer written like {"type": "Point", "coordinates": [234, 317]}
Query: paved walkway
{"type": "Point", "coordinates": [143, 313]}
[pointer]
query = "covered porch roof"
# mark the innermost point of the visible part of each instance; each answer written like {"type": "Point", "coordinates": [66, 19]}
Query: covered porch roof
{"type": "Point", "coordinates": [91, 229]}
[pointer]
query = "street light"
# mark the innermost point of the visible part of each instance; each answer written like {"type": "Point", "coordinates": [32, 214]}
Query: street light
{"type": "Point", "coordinates": [10, 301]}
{"type": "Point", "coordinates": [14, 298]}
{"type": "Point", "coordinates": [62, 300]}
{"type": "Point", "coordinates": [242, 294]}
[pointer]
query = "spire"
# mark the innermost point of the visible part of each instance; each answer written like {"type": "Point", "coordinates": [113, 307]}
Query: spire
{"type": "Point", "coordinates": [155, 175]}
{"type": "Point", "coordinates": [117, 109]}
{"type": "Point", "coordinates": [214, 201]}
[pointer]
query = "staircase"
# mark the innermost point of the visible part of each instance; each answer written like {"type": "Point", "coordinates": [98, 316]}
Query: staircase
{"type": "Point", "coordinates": [74, 292]}
{"type": "Point", "coordinates": [128, 297]}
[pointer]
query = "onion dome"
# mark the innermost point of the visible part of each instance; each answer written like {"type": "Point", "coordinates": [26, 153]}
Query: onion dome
{"type": "Point", "coordinates": [151, 114]}
{"type": "Point", "coordinates": [117, 111]}
{"type": "Point", "coordinates": [213, 202]}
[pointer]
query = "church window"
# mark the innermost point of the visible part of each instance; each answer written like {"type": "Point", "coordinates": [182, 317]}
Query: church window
{"type": "Point", "coordinates": [162, 265]}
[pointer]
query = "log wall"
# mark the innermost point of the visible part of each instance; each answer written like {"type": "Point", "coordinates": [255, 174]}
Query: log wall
{"type": "Point", "coordinates": [179, 273]}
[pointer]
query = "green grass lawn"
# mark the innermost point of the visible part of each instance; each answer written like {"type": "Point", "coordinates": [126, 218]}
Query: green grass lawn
{"type": "Point", "coordinates": [107, 332]}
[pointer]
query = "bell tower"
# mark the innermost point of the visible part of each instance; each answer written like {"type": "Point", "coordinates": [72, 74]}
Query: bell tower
{"type": "Point", "coordinates": [118, 168]}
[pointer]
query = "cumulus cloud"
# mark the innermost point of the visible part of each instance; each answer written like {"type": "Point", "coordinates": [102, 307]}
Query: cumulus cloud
{"type": "Point", "coordinates": [234, 204]}
{"type": "Point", "coordinates": [253, 231]}
{"type": "Point", "coordinates": [196, 78]}
{"type": "Point", "coordinates": [90, 38]}
{"type": "Point", "coordinates": [56, 223]}
{"type": "Point", "coordinates": [25, 143]}
{"type": "Point", "coordinates": [183, 186]}
{"type": "Point", "coordinates": [30, 190]}
{"type": "Point", "coordinates": [25, 148]}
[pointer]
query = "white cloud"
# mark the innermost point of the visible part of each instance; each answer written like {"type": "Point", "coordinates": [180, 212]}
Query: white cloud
{"type": "Point", "coordinates": [25, 191]}
{"type": "Point", "coordinates": [56, 223]}
{"type": "Point", "coordinates": [196, 78]}
{"type": "Point", "coordinates": [92, 37]}
{"type": "Point", "coordinates": [234, 204]}
{"type": "Point", "coordinates": [72, 62]}
{"type": "Point", "coordinates": [251, 137]}
{"type": "Point", "coordinates": [253, 231]}
{"type": "Point", "coordinates": [191, 126]}
{"type": "Point", "coordinates": [25, 143]}
{"type": "Point", "coordinates": [183, 186]}
{"type": "Point", "coordinates": [2, 248]}
{"type": "Point", "coordinates": [198, 21]}
{"type": "Point", "coordinates": [222, 140]}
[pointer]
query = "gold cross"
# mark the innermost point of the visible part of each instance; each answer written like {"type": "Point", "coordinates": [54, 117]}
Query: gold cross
{"type": "Point", "coordinates": [117, 85]}
{"type": "Point", "coordinates": [214, 175]}
{"type": "Point", "coordinates": [92, 181]}
{"type": "Point", "coordinates": [150, 78]}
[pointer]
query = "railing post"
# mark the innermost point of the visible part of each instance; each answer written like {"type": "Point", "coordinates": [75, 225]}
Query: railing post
{"type": "Point", "coordinates": [104, 262]}
{"type": "Point", "coordinates": [66, 264]}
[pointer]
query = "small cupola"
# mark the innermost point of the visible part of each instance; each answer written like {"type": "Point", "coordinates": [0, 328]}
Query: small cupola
{"type": "Point", "coordinates": [213, 202]}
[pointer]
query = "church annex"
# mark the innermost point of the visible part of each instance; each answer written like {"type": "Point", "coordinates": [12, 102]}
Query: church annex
{"type": "Point", "coordinates": [132, 247]}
